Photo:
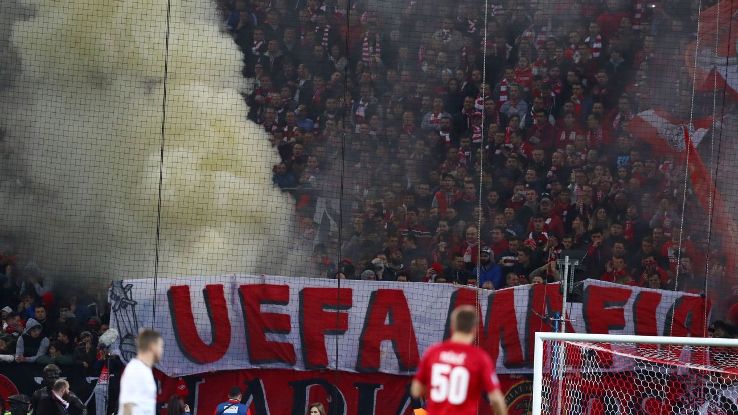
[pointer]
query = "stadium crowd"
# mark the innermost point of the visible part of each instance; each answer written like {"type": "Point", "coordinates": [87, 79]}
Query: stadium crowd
{"type": "Point", "coordinates": [399, 122]}
{"type": "Point", "coordinates": [392, 125]}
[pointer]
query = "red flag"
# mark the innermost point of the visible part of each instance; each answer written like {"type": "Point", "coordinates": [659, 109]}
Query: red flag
{"type": "Point", "coordinates": [716, 68]}
{"type": "Point", "coordinates": [669, 136]}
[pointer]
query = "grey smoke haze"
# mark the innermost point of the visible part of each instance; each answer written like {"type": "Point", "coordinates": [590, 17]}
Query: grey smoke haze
{"type": "Point", "coordinates": [82, 113]}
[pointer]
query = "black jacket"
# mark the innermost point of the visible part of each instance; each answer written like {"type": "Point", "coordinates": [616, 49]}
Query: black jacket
{"type": "Point", "coordinates": [76, 406]}
{"type": "Point", "coordinates": [50, 405]}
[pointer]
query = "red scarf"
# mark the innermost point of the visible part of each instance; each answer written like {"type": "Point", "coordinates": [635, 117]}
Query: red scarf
{"type": "Point", "coordinates": [524, 77]}
{"type": "Point", "coordinates": [565, 137]}
{"type": "Point", "coordinates": [476, 134]}
{"type": "Point", "coordinates": [289, 133]}
{"type": "Point", "coordinates": [577, 105]}
{"type": "Point", "coordinates": [595, 138]}
{"type": "Point", "coordinates": [442, 198]}
{"type": "Point", "coordinates": [503, 91]}
{"type": "Point", "coordinates": [542, 34]}
{"type": "Point", "coordinates": [464, 157]}
{"type": "Point", "coordinates": [368, 52]}
{"type": "Point", "coordinates": [326, 33]}
{"type": "Point", "coordinates": [360, 112]}
{"type": "Point", "coordinates": [595, 45]}
{"type": "Point", "coordinates": [629, 231]}
{"type": "Point", "coordinates": [637, 15]}
{"type": "Point", "coordinates": [255, 48]}
{"type": "Point", "coordinates": [317, 96]}
{"type": "Point", "coordinates": [620, 120]}
{"type": "Point", "coordinates": [435, 118]}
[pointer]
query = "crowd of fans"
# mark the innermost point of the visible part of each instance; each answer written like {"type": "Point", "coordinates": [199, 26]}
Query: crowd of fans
{"type": "Point", "coordinates": [42, 326]}
{"type": "Point", "coordinates": [393, 122]}
{"type": "Point", "coordinates": [397, 121]}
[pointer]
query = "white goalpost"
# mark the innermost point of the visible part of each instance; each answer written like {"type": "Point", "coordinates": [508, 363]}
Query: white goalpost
{"type": "Point", "coordinates": [618, 374]}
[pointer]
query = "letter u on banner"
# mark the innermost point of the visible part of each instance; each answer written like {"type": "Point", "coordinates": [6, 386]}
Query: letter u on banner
{"type": "Point", "coordinates": [185, 329]}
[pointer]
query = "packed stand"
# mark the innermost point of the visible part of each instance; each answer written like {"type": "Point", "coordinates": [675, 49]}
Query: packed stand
{"type": "Point", "coordinates": [426, 112]}
{"type": "Point", "coordinates": [46, 325]}
{"type": "Point", "coordinates": [388, 124]}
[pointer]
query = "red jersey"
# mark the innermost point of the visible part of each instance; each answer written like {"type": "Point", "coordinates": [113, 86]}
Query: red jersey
{"type": "Point", "coordinates": [456, 375]}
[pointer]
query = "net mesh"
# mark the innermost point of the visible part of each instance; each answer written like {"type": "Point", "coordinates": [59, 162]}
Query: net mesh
{"type": "Point", "coordinates": [381, 141]}
{"type": "Point", "coordinates": [638, 378]}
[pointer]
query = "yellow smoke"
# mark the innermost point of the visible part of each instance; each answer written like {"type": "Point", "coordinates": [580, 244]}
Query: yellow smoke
{"type": "Point", "coordinates": [84, 117]}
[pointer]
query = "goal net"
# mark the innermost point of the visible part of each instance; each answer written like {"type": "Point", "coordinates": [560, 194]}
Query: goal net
{"type": "Point", "coordinates": [613, 375]}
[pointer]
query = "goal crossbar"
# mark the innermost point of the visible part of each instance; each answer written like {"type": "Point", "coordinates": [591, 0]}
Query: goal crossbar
{"type": "Point", "coordinates": [541, 337]}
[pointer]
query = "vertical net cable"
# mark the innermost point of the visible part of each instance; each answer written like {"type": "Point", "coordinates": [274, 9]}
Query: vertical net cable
{"type": "Point", "coordinates": [687, 148]}
{"type": "Point", "coordinates": [482, 151]}
{"type": "Point", "coordinates": [712, 187]}
{"type": "Point", "coordinates": [161, 157]}
{"type": "Point", "coordinates": [719, 124]}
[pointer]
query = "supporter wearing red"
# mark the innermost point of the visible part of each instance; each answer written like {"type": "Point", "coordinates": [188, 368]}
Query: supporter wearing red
{"type": "Point", "coordinates": [233, 405]}
{"type": "Point", "coordinates": [537, 228]}
{"type": "Point", "coordinates": [469, 248]}
{"type": "Point", "coordinates": [524, 74]}
{"type": "Point", "coordinates": [541, 134]}
{"type": "Point", "coordinates": [499, 240]}
{"type": "Point", "coordinates": [552, 223]}
{"type": "Point", "coordinates": [468, 200]}
{"type": "Point", "coordinates": [582, 104]}
{"type": "Point", "coordinates": [647, 249]}
{"type": "Point", "coordinates": [616, 271]}
{"type": "Point", "coordinates": [597, 135]}
{"type": "Point", "coordinates": [453, 375]}
{"type": "Point", "coordinates": [562, 206]}
{"type": "Point", "coordinates": [502, 89]}
{"type": "Point", "coordinates": [596, 256]}
{"type": "Point", "coordinates": [447, 195]}
{"type": "Point", "coordinates": [675, 248]}
{"type": "Point", "coordinates": [412, 226]}
{"type": "Point", "coordinates": [649, 267]}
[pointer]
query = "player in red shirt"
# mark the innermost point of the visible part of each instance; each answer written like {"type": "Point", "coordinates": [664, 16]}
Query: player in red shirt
{"type": "Point", "coordinates": [453, 374]}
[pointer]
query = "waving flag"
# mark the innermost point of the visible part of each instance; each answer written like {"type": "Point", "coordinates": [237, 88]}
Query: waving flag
{"type": "Point", "coordinates": [670, 136]}
{"type": "Point", "coordinates": [716, 69]}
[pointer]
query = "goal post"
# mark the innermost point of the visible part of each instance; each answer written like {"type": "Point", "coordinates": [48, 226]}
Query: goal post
{"type": "Point", "coordinates": [577, 373]}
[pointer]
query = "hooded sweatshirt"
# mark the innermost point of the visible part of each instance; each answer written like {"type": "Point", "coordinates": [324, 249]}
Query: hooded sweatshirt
{"type": "Point", "coordinates": [29, 347]}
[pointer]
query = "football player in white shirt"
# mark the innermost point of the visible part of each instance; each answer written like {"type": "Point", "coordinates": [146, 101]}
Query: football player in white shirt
{"type": "Point", "coordinates": [137, 385]}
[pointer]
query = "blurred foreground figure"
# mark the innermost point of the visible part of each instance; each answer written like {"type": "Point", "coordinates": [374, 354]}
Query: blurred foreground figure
{"type": "Point", "coordinates": [137, 385]}
{"type": "Point", "coordinates": [459, 372]}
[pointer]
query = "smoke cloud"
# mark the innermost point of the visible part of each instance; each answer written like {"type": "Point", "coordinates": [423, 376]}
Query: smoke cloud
{"type": "Point", "coordinates": [83, 125]}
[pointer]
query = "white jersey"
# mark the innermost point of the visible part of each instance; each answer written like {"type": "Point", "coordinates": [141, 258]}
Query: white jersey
{"type": "Point", "coordinates": [138, 387]}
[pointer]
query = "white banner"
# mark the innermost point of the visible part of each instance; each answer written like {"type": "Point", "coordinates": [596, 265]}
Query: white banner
{"type": "Point", "coordinates": [240, 322]}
